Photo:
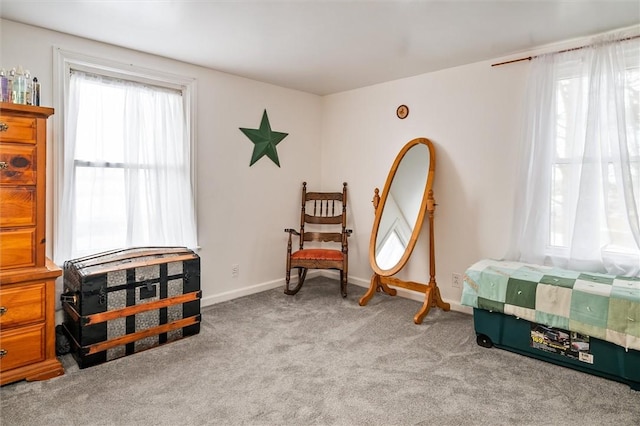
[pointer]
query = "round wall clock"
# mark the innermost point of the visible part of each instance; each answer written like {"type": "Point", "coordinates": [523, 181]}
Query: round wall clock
{"type": "Point", "coordinates": [402, 112]}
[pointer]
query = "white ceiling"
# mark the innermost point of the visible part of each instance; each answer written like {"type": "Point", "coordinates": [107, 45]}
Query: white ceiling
{"type": "Point", "coordinates": [325, 47]}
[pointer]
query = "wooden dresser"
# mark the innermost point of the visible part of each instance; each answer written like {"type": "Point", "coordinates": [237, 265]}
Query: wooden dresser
{"type": "Point", "coordinates": [27, 277]}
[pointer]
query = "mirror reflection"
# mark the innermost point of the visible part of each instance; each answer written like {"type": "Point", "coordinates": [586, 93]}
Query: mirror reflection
{"type": "Point", "coordinates": [402, 207]}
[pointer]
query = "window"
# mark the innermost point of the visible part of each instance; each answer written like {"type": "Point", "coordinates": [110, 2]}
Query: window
{"type": "Point", "coordinates": [569, 163]}
{"type": "Point", "coordinates": [126, 162]}
{"type": "Point", "coordinates": [580, 189]}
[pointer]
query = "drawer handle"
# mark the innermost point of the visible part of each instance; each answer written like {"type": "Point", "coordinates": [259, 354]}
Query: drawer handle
{"type": "Point", "coordinates": [3, 165]}
{"type": "Point", "coordinates": [4, 127]}
{"type": "Point", "coordinates": [3, 310]}
{"type": "Point", "coordinates": [3, 352]}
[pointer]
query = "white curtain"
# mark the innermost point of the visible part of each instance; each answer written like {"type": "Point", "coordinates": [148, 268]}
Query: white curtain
{"type": "Point", "coordinates": [579, 185]}
{"type": "Point", "coordinates": [127, 177]}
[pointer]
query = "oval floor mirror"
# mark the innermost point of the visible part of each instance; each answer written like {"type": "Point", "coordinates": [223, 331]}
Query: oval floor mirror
{"type": "Point", "coordinates": [400, 210]}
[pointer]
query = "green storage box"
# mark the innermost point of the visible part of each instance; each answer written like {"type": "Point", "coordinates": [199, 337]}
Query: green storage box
{"type": "Point", "coordinates": [558, 346]}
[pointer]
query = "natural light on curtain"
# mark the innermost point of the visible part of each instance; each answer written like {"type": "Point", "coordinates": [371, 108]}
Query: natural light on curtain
{"type": "Point", "coordinates": [127, 177]}
{"type": "Point", "coordinates": [579, 192]}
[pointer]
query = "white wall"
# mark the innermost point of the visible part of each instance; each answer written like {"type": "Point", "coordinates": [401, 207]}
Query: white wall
{"type": "Point", "coordinates": [242, 210]}
{"type": "Point", "coordinates": [471, 114]}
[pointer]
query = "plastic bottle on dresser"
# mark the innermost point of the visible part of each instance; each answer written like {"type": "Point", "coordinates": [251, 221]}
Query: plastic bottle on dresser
{"type": "Point", "coordinates": [12, 77]}
{"type": "Point", "coordinates": [5, 93]}
{"type": "Point", "coordinates": [19, 87]}
{"type": "Point", "coordinates": [27, 88]}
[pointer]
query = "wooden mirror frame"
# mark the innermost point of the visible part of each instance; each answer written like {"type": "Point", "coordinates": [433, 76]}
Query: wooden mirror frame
{"type": "Point", "coordinates": [382, 278]}
{"type": "Point", "coordinates": [379, 202]}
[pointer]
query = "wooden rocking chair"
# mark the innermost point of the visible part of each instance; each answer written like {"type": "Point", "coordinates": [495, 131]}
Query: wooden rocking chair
{"type": "Point", "coordinates": [326, 213]}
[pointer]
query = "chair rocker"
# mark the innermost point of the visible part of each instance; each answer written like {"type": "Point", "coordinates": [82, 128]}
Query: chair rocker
{"type": "Point", "coordinates": [326, 215]}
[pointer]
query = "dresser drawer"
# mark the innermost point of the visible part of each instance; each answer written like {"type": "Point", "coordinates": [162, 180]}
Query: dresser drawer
{"type": "Point", "coordinates": [17, 206]}
{"type": "Point", "coordinates": [18, 164]}
{"type": "Point", "coordinates": [21, 346]}
{"type": "Point", "coordinates": [22, 305]}
{"type": "Point", "coordinates": [17, 247]}
{"type": "Point", "coordinates": [27, 277]}
{"type": "Point", "coordinates": [18, 129]}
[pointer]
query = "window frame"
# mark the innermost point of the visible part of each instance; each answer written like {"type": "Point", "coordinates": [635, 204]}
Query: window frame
{"type": "Point", "coordinates": [64, 61]}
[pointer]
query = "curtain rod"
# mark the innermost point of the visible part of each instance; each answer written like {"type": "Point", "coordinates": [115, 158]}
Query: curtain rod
{"type": "Point", "coordinates": [559, 51]}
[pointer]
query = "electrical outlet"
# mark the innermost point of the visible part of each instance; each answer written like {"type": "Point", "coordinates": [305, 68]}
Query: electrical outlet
{"type": "Point", "coordinates": [235, 270]}
{"type": "Point", "coordinates": [456, 280]}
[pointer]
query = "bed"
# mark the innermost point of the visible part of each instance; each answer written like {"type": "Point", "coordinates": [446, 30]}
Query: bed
{"type": "Point", "coordinates": [586, 321]}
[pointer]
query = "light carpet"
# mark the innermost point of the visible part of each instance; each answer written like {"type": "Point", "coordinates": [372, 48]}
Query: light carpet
{"type": "Point", "coordinates": [318, 359]}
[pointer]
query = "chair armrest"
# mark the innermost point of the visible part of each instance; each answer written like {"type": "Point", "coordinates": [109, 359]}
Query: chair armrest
{"type": "Point", "coordinates": [345, 237]}
{"type": "Point", "coordinates": [291, 231]}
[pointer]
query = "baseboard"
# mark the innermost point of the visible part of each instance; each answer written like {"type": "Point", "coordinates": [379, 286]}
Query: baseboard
{"type": "Point", "coordinates": [269, 285]}
{"type": "Point", "coordinates": [407, 294]}
{"type": "Point", "coordinates": [246, 291]}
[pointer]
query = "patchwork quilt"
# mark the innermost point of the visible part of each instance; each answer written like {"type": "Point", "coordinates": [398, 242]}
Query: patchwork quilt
{"type": "Point", "coordinates": [603, 306]}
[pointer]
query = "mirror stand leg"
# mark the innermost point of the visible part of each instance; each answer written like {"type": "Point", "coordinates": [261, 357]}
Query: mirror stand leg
{"type": "Point", "coordinates": [377, 285]}
{"type": "Point", "coordinates": [383, 287]}
{"type": "Point", "coordinates": [437, 300]}
{"type": "Point", "coordinates": [375, 282]}
{"type": "Point", "coordinates": [432, 298]}
{"type": "Point", "coordinates": [428, 300]}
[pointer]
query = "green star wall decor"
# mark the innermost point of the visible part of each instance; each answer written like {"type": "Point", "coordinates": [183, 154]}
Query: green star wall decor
{"type": "Point", "coordinates": [264, 140]}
